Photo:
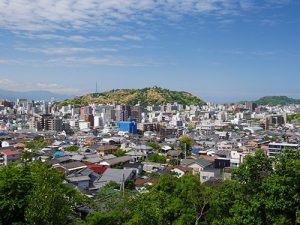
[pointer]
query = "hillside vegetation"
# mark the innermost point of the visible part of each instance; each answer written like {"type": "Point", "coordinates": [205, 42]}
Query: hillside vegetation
{"type": "Point", "coordinates": [145, 96]}
{"type": "Point", "coordinates": [277, 100]}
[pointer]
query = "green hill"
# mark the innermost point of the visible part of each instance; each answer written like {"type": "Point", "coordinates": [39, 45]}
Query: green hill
{"type": "Point", "coordinates": [145, 96]}
{"type": "Point", "coordinates": [277, 100]}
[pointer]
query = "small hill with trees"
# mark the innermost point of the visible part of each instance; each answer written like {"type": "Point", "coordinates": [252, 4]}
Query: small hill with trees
{"type": "Point", "coordinates": [146, 96]}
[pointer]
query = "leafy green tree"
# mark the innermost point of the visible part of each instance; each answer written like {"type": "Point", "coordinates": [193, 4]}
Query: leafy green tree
{"type": "Point", "coordinates": [191, 126]}
{"type": "Point", "coordinates": [174, 162]}
{"type": "Point", "coordinates": [119, 152]}
{"type": "Point", "coordinates": [253, 170]}
{"type": "Point", "coordinates": [35, 194]}
{"type": "Point", "coordinates": [155, 157]}
{"type": "Point", "coordinates": [281, 190]}
{"type": "Point", "coordinates": [36, 143]}
{"type": "Point", "coordinates": [263, 191]}
{"type": "Point", "coordinates": [294, 117]}
{"type": "Point", "coordinates": [186, 143]}
{"type": "Point", "coordinates": [15, 183]}
{"type": "Point", "coordinates": [154, 145]}
{"type": "Point", "coordinates": [72, 148]}
{"type": "Point", "coordinates": [171, 201]}
{"type": "Point", "coordinates": [50, 200]}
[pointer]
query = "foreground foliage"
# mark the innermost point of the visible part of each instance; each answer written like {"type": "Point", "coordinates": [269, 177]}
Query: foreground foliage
{"type": "Point", "coordinates": [34, 194]}
{"type": "Point", "coordinates": [294, 117]}
{"type": "Point", "coordinates": [262, 191]}
{"type": "Point", "coordinates": [36, 143]}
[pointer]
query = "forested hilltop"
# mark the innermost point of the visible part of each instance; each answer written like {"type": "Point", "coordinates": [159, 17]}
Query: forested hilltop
{"type": "Point", "coordinates": [145, 96]}
{"type": "Point", "coordinates": [276, 100]}
{"type": "Point", "coordinates": [262, 191]}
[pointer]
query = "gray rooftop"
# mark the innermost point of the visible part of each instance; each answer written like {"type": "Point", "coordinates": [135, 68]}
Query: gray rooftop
{"type": "Point", "coordinates": [118, 160]}
{"type": "Point", "coordinates": [113, 175]}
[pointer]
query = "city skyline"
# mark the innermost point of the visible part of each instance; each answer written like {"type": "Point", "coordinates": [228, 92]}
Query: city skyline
{"type": "Point", "coordinates": [220, 50]}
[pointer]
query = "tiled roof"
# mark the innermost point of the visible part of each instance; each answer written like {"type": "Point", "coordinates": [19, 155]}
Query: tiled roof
{"type": "Point", "coordinates": [9, 152]}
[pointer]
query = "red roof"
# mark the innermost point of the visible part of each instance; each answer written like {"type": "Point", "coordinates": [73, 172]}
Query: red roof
{"type": "Point", "coordinates": [100, 169]}
{"type": "Point", "coordinates": [107, 147]}
{"type": "Point", "coordinates": [9, 152]}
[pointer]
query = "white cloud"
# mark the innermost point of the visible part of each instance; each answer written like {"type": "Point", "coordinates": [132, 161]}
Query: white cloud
{"type": "Point", "coordinates": [65, 50]}
{"type": "Point", "coordinates": [14, 85]}
{"type": "Point", "coordinates": [9, 61]}
{"type": "Point", "coordinates": [101, 61]}
{"type": "Point", "coordinates": [74, 61]}
{"type": "Point", "coordinates": [243, 52]}
{"type": "Point", "coordinates": [86, 38]}
{"type": "Point", "coordinates": [53, 15]}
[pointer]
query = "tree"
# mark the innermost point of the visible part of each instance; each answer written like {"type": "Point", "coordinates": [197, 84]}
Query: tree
{"type": "Point", "coordinates": [191, 126]}
{"type": "Point", "coordinates": [155, 157]}
{"type": "Point", "coordinates": [263, 191]}
{"type": "Point", "coordinates": [35, 194]}
{"type": "Point", "coordinates": [50, 200]}
{"type": "Point", "coordinates": [253, 170]}
{"type": "Point", "coordinates": [119, 152]}
{"type": "Point", "coordinates": [72, 148]}
{"type": "Point", "coordinates": [154, 145]}
{"type": "Point", "coordinates": [174, 162]}
{"type": "Point", "coordinates": [281, 190]}
{"type": "Point", "coordinates": [36, 143]}
{"type": "Point", "coordinates": [186, 143]}
{"type": "Point", "coordinates": [15, 183]}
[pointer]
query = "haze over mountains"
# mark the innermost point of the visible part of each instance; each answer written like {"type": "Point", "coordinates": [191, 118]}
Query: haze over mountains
{"type": "Point", "coordinates": [32, 95]}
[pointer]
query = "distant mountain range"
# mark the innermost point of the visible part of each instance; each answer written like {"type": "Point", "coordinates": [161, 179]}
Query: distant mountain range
{"type": "Point", "coordinates": [145, 96]}
{"type": "Point", "coordinates": [276, 100]}
{"type": "Point", "coordinates": [32, 95]}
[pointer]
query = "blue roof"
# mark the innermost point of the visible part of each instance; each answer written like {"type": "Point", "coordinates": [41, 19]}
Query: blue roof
{"type": "Point", "coordinates": [196, 151]}
{"type": "Point", "coordinates": [58, 153]}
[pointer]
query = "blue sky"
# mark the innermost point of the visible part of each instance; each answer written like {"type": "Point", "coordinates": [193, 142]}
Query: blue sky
{"type": "Point", "coordinates": [220, 50]}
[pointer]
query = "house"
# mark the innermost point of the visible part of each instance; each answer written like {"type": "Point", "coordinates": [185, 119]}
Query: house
{"type": "Point", "coordinates": [82, 182]}
{"type": "Point", "coordinates": [207, 166]}
{"type": "Point", "coordinates": [143, 182]}
{"type": "Point", "coordinates": [71, 167]}
{"type": "Point", "coordinates": [97, 168]}
{"type": "Point", "coordinates": [140, 152]}
{"type": "Point", "coordinates": [136, 166]}
{"type": "Point", "coordinates": [118, 176]}
{"type": "Point", "coordinates": [8, 156]}
{"type": "Point", "coordinates": [106, 149]}
{"type": "Point", "coordinates": [116, 161]}
{"type": "Point", "coordinates": [152, 167]}
{"type": "Point", "coordinates": [143, 149]}
{"type": "Point", "coordinates": [174, 154]}
{"type": "Point", "coordinates": [139, 182]}
{"type": "Point", "coordinates": [20, 145]}
{"type": "Point", "coordinates": [236, 158]}
{"type": "Point", "coordinates": [83, 179]}
{"type": "Point", "coordinates": [197, 164]}
{"type": "Point", "coordinates": [208, 173]}
{"type": "Point", "coordinates": [182, 170]}
{"type": "Point", "coordinates": [136, 155]}
{"type": "Point", "coordinates": [166, 148]}
{"type": "Point", "coordinates": [214, 182]}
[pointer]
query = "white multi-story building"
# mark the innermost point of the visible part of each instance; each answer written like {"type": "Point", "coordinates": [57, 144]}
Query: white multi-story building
{"type": "Point", "coordinates": [275, 147]}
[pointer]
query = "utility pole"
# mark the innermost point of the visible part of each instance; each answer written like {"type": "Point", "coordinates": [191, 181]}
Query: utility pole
{"type": "Point", "coordinates": [185, 150]}
{"type": "Point", "coordinates": [96, 87]}
{"type": "Point", "coordinates": [123, 185]}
